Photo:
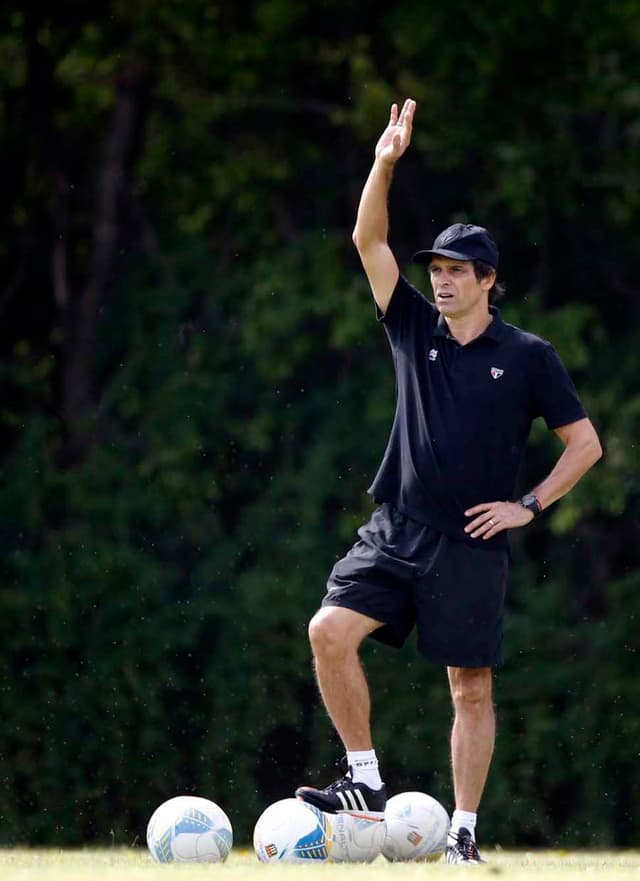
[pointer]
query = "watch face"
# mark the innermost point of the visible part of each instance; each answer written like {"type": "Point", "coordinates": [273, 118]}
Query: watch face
{"type": "Point", "coordinates": [531, 502]}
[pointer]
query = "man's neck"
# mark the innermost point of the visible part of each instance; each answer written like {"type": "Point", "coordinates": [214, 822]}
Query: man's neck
{"type": "Point", "coordinates": [467, 327]}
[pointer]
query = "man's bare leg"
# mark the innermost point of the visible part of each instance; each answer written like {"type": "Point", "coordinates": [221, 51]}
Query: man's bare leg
{"type": "Point", "coordinates": [335, 634]}
{"type": "Point", "coordinates": [473, 733]}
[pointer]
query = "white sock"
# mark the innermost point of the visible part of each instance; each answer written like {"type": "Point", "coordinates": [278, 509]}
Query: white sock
{"type": "Point", "coordinates": [463, 820]}
{"type": "Point", "coordinates": [364, 767]}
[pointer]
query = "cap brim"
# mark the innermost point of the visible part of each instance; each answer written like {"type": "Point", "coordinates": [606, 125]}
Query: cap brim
{"type": "Point", "coordinates": [425, 256]}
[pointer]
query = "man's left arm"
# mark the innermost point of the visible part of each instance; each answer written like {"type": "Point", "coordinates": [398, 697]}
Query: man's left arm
{"type": "Point", "coordinates": [582, 450]}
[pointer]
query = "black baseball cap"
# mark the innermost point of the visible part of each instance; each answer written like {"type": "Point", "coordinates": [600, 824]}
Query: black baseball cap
{"type": "Point", "coordinates": [462, 241]}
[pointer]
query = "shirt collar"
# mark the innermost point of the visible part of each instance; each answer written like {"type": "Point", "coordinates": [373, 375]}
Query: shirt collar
{"type": "Point", "coordinates": [494, 331]}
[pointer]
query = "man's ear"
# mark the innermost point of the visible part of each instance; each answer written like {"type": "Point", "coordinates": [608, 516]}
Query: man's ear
{"type": "Point", "coordinates": [488, 282]}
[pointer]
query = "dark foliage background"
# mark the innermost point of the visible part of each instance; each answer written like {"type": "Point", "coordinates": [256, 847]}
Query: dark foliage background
{"type": "Point", "coordinates": [195, 395]}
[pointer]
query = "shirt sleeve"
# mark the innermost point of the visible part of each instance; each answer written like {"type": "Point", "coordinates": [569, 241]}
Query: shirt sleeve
{"type": "Point", "coordinates": [555, 396]}
{"type": "Point", "coordinates": [405, 306]}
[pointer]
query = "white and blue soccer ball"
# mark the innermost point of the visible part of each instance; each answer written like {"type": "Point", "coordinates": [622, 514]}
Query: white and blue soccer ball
{"type": "Point", "coordinates": [291, 831]}
{"type": "Point", "coordinates": [417, 826]}
{"type": "Point", "coordinates": [354, 839]}
{"type": "Point", "coordinates": [189, 829]}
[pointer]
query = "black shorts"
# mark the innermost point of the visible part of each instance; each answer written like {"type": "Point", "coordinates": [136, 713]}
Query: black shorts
{"type": "Point", "coordinates": [403, 573]}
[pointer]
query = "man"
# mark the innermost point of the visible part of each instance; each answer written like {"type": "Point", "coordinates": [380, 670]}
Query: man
{"type": "Point", "coordinates": [434, 553]}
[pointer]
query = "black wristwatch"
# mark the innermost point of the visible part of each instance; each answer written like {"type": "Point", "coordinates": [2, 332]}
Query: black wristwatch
{"type": "Point", "coordinates": [531, 503]}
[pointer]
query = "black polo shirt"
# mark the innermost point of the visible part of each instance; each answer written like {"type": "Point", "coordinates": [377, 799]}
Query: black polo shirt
{"type": "Point", "coordinates": [463, 413]}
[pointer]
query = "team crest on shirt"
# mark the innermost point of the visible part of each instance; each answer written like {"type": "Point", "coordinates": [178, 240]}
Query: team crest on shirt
{"type": "Point", "coordinates": [496, 372]}
{"type": "Point", "coordinates": [433, 354]}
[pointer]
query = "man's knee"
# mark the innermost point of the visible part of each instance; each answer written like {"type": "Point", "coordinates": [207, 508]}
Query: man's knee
{"type": "Point", "coordinates": [471, 688]}
{"type": "Point", "coordinates": [334, 631]}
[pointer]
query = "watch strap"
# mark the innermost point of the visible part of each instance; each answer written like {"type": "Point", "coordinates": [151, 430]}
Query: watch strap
{"type": "Point", "coordinates": [531, 503]}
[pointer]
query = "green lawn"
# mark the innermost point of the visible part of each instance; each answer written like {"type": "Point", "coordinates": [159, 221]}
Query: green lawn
{"type": "Point", "coordinates": [136, 865]}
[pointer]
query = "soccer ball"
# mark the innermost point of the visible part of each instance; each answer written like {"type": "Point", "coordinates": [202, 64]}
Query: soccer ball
{"type": "Point", "coordinates": [290, 831]}
{"type": "Point", "coordinates": [354, 839]}
{"type": "Point", "coordinates": [417, 827]}
{"type": "Point", "coordinates": [188, 829]}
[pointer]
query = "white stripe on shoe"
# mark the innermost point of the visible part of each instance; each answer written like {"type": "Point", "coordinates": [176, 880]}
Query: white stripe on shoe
{"type": "Point", "coordinates": [360, 798]}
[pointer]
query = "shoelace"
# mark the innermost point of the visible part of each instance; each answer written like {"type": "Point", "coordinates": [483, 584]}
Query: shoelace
{"type": "Point", "coordinates": [467, 847]}
{"type": "Point", "coordinates": [346, 779]}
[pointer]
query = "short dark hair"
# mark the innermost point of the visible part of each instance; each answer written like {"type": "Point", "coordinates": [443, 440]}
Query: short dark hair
{"type": "Point", "coordinates": [483, 270]}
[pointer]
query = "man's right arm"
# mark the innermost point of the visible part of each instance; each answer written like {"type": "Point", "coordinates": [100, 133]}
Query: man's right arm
{"type": "Point", "coordinates": [370, 235]}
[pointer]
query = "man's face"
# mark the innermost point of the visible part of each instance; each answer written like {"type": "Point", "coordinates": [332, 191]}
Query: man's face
{"type": "Point", "coordinates": [456, 290]}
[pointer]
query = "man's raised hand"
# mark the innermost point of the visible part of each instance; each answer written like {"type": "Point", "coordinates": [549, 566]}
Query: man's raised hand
{"type": "Point", "coordinates": [397, 136]}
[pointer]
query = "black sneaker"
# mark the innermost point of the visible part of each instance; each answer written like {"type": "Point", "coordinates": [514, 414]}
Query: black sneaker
{"type": "Point", "coordinates": [461, 849]}
{"type": "Point", "coordinates": [346, 797]}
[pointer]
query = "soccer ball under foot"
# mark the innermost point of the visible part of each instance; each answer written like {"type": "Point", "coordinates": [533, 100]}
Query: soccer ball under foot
{"type": "Point", "coordinates": [291, 831]}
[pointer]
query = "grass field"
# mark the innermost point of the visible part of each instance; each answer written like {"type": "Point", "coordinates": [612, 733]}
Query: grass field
{"type": "Point", "coordinates": [128, 864]}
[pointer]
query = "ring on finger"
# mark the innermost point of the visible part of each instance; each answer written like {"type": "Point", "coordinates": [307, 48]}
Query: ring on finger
{"type": "Point", "coordinates": [492, 522]}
